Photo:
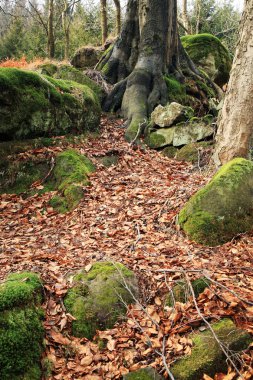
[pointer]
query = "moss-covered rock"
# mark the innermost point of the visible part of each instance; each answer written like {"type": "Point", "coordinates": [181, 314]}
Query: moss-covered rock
{"type": "Point", "coordinates": [223, 208]}
{"type": "Point", "coordinates": [209, 54]}
{"type": "Point", "coordinates": [160, 138]}
{"type": "Point", "coordinates": [181, 291]}
{"type": "Point", "coordinates": [207, 356]}
{"type": "Point", "coordinates": [97, 298]}
{"type": "Point", "coordinates": [87, 56]}
{"type": "Point", "coordinates": [193, 152]}
{"type": "Point", "coordinates": [169, 151]}
{"type": "Point", "coordinates": [21, 331]}
{"type": "Point", "coordinates": [69, 175]}
{"type": "Point", "coordinates": [16, 176]}
{"type": "Point", "coordinates": [143, 374]}
{"type": "Point", "coordinates": [34, 105]}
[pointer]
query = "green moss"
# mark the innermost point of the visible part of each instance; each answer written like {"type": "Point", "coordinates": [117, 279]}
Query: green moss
{"type": "Point", "coordinates": [109, 160]}
{"type": "Point", "coordinates": [190, 152]}
{"type": "Point", "coordinates": [169, 151]}
{"type": "Point", "coordinates": [16, 177]}
{"type": "Point", "coordinates": [220, 210]}
{"type": "Point", "coordinates": [181, 292]}
{"type": "Point", "coordinates": [201, 46]}
{"type": "Point", "coordinates": [48, 68]}
{"type": "Point", "coordinates": [21, 332]}
{"type": "Point", "coordinates": [155, 140]}
{"type": "Point", "coordinates": [95, 299]}
{"type": "Point", "coordinates": [207, 356]}
{"type": "Point", "coordinates": [143, 374]}
{"type": "Point", "coordinates": [176, 90]}
{"type": "Point", "coordinates": [34, 105]}
{"type": "Point", "coordinates": [20, 289]}
{"type": "Point", "coordinates": [69, 175]}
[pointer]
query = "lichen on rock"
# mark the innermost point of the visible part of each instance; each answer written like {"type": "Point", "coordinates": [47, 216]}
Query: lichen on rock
{"type": "Point", "coordinates": [98, 298]}
{"type": "Point", "coordinates": [207, 356]}
{"type": "Point", "coordinates": [223, 208]}
{"type": "Point", "coordinates": [21, 331]}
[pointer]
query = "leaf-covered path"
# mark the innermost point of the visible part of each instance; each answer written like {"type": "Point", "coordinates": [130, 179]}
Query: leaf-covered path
{"type": "Point", "coordinates": [128, 214]}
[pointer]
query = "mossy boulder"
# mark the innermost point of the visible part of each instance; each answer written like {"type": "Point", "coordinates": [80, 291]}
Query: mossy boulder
{"type": "Point", "coordinates": [21, 331]}
{"type": "Point", "coordinates": [181, 291]}
{"type": "Point", "coordinates": [148, 373]}
{"type": "Point", "coordinates": [193, 152]}
{"type": "Point", "coordinates": [223, 208]}
{"type": "Point", "coordinates": [210, 55]}
{"type": "Point", "coordinates": [97, 298]}
{"type": "Point", "coordinates": [70, 73]}
{"type": "Point", "coordinates": [87, 56]}
{"type": "Point", "coordinates": [169, 151]}
{"type": "Point", "coordinates": [17, 176]}
{"type": "Point", "coordinates": [34, 105]}
{"type": "Point", "coordinates": [207, 356]}
{"type": "Point", "coordinates": [69, 176]}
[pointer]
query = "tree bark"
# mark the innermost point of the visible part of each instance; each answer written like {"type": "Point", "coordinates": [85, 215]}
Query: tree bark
{"type": "Point", "coordinates": [50, 30]}
{"type": "Point", "coordinates": [148, 48]}
{"type": "Point", "coordinates": [185, 19]}
{"type": "Point", "coordinates": [104, 26]}
{"type": "Point", "coordinates": [235, 125]}
{"type": "Point", "coordinates": [118, 16]}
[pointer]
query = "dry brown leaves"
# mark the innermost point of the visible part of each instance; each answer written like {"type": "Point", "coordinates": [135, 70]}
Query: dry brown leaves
{"type": "Point", "coordinates": [128, 214]}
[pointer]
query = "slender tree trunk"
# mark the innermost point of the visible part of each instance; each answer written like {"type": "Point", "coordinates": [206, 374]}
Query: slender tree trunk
{"type": "Point", "coordinates": [65, 28]}
{"type": "Point", "coordinates": [185, 19]}
{"type": "Point", "coordinates": [104, 26]}
{"type": "Point", "coordinates": [198, 15]}
{"type": "Point", "coordinates": [50, 37]}
{"type": "Point", "coordinates": [235, 125]}
{"type": "Point", "coordinates": [118, 16]}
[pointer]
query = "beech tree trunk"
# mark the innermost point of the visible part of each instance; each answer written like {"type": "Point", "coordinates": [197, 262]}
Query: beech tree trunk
{"type": "Point", "coordinates": [235, 125]}
{"type": "Point", "coordinates": [185, 19]}
{"type": "Point", "coordinates": [148, 48]}
{"type": "Point", "coordinates": [104, 26]}
{"type": "Point", "coordinates": [118, 16]}
{"type": "Point", "coordinates": [50, 30]}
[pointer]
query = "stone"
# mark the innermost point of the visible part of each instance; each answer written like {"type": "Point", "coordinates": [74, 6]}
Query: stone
{"type": "Point", "coordinates": [181, 292]}
{"type": "Point", "coordinates": [223, 208]}
{"type": "Point", "coordinates": [210, 55]}
{"type": "Point", "coordinates": [160, 138]}
{"type": "Point", "coordinates": [33, 105]}
{"type": "Point", "coordinates": [87, 56]}
{"type": "Point", "coordinates": [194, 152]}
{"type": "Point", "coordinates": [69, 176]}
{"type": "Point", "coordinates": [168, 115]}
{"type": "Point", "coordinates": [21, 330]}
{"type": "Point", "coordinates": [98, 298]}
{"type": "Point", "coordinates": [169, 151]}
{"type": "Point", "coordinates": [147, 373]}
{"type": "Point", "coordinates": [186, 133]}
{"type": "Point", "coordinates": [207, 356]}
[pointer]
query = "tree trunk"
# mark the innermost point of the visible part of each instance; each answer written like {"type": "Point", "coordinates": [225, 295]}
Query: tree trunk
{"type": "Point", "coordinates": [104, 26]}
{"type": "Point", "coordinates": [50, 37]}
{"type": "Point", "coordinates": [65, 27]}
{"type": "Point", "coordinates": [118, 16]}
{"type": "Point", "coordinates": [235, 125]}
{"type": "Point", "coordinates": [148, 48]}
{"type": "Point", "coordinates": [185, 19]}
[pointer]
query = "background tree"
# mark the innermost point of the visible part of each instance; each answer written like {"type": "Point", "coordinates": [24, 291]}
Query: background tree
{"type": "Point", "coordinates": [235, 126]}
{"type": "Point", "coordinates": [104, 26]}
{"type": "Point", "coordinates": [118, 16]}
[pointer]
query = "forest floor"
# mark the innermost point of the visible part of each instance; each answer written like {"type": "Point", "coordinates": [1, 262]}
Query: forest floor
{"type": "Point", "coordinates": [128, 215]}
